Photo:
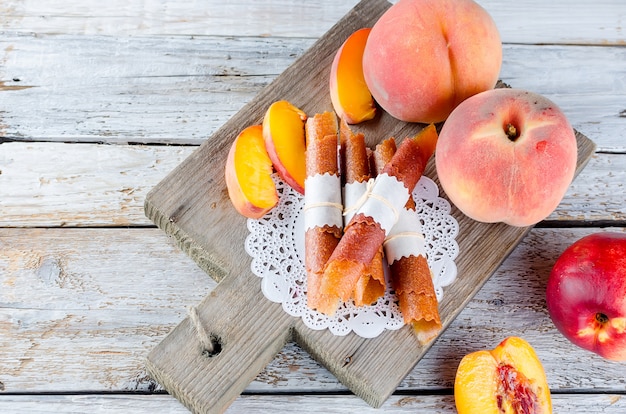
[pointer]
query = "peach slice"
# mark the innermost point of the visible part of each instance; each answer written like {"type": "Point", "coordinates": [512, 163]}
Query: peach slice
{"type": "Point", "coordinates": [349, 93]}
{"type": "Point", "coordinates": [248, 174]}
{"type": "Point", "coordinates": [507, 379]}
{"type": "Point", "coordinates": [283, 131]}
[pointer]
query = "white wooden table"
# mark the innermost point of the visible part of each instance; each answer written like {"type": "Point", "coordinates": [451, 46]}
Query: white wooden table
{"type": "Point", "coordinates": [99, 101]}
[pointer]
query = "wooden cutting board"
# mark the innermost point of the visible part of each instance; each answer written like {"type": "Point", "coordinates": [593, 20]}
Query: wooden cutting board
{"type": "Point", "coordinates": [191, 204]}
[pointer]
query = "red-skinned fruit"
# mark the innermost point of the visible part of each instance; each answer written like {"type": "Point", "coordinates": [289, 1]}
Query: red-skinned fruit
{"type": "Point", "coordinates": [586, 294]}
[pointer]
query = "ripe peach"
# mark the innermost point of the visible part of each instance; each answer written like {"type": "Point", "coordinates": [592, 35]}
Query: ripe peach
{"type": "Point", "coordinates": [507, 379]}
{"type": "Point", "coordinates": [283, 130]}
{"type": "Point", "coordinates": [349, 95]}
{"type": "Point", "coordinates": [248, 174]}
{"type": "Point", "coordinates": [424, 57]}
{"type": "Point", "coordinates": [506, 155]}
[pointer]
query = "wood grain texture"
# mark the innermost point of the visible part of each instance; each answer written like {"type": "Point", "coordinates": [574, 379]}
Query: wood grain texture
{"type": "Point", "coordinates": [87, 315]}
{"type": "Point", "coordinates": [311, 404]}
{"type": "Point", "coordinates": [62, 189]}
{"type": "Point", "coordinates": [57, 184]}
{"type": "Point", "coordinates": [180, 206]}
{"type": "Point", "coordinates": [530, 21]}
{"type": "Point", "coordinates": [180, 90]}
{"type": "Point", "coordinates": [88, 288]}
{"type": "Point", "coordinates": [85, 305]}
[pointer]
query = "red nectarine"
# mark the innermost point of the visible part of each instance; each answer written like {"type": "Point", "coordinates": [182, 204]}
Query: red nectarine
{"type": "Point", "coordinates": [586, 294]}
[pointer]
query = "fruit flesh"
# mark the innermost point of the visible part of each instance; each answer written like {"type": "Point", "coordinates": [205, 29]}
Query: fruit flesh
{"type": "Point", "coordinates": [248, 174]}
{"type": "Point", "coordinates": [283, 130]}
{"type": "Point", "coordinates": [474, 383]}
{"type": "Point", "coordinates": [254, 169]}
{"type": "Point", "coordinates": [515, 393]}
{"type": "Point", "coordinates": [507, 379]}
{"type": "Point", "coordinates": [349, 94]}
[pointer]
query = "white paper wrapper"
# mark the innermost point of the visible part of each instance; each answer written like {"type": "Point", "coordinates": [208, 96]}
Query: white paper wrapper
{"type": "Point", "coordinates": [405, 238]}
{"type": "Point", "coordinates": [385, 201]}
{"type": "Point", "coordinates": [352, 194]}
{"type": "Point", "coordinates": [322, 201]}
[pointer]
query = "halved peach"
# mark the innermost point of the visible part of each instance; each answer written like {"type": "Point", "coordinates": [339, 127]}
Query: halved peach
{"type": "Point", "coordinates": [283, 131]}
{"type": "Point", "coordinates": [349, 93]}
{"type": "Point", "coordinates": [507, 379]}
{"type": "Point", "coordinates": [248, 174]}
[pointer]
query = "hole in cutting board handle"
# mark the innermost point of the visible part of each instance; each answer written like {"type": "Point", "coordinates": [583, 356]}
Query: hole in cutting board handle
{"type": "Point", "coordinates": [210, 342]}
{"type": "Point", "coordinates": [215, 348]}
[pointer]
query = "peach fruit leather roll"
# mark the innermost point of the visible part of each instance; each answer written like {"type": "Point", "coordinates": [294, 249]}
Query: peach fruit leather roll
{"type": "Point", "coordinates": [356, 174]}
{"type": "Point", "coordinates": [413, 284]}
{"type": "Point", "coordinates": [322, 202]}
{"type": "Point", "coordinates": [372, 222]}
{"type": "Point", "coordinates": [411, 277]}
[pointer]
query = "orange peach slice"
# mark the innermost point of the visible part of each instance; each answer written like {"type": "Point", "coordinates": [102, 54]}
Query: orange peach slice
{"type": "Point", "coordinates": [507, 379]}
{"type": "Point", "coordinates": [283, 131]}
{"type": "Point", "coordinates": [349, 94]}
{"type": "Point", "coordinates": [248, 174]}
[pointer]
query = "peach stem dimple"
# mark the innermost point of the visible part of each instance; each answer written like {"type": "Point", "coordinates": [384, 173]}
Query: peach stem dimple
{"type": "Point", "coordinates": [511, 132]}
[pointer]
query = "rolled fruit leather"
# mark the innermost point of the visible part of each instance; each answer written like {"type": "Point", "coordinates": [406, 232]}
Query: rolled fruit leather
{"type": "Point", "coordinates": [322, 202]}
{"type": "Point", "coordinates": [374, 219]}
{"type": "Point", "coordinates": [356, 176]}
{"type": "Point", "coordinates": [405, 250]}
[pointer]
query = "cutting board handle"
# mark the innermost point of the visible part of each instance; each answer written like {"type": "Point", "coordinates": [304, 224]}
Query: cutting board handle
{"type": "Point", "coordinates": [243, 343]}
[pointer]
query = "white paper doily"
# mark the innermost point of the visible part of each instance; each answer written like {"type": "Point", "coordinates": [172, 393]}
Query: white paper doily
{"type": "Point", "coordinates": [276, 245]}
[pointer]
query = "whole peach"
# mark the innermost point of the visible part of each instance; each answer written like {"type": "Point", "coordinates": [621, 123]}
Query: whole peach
{"type": "Point", "coordinates": [424, 57]}
{"type": "Point", "coordinates": [506, 155]}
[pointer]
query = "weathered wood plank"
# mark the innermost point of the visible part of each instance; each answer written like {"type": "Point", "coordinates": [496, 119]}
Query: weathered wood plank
{"type": "Point", "coordinates": [559, 22]}
{"type": "Point", "coordinates": [597, 194]}
{"type": "Point", "coordinates": [55, 184]}
{"type": "Point", "coordinates": [182, 89]}
{"type": "Point", "coordinates": [527, 21]}
{"type": "Point", "coordinates": [141, 89]}
{"type": "Point", "coordinates": [80, 185]}
{"type": "Point", "coordinates": [276, 18]}
{"type": "Point", "coordinates": [91, 403]}
{"type": "Point", "coordinates": [81, 308]}
{"type": "Point", "coordinates": [311, 404]}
